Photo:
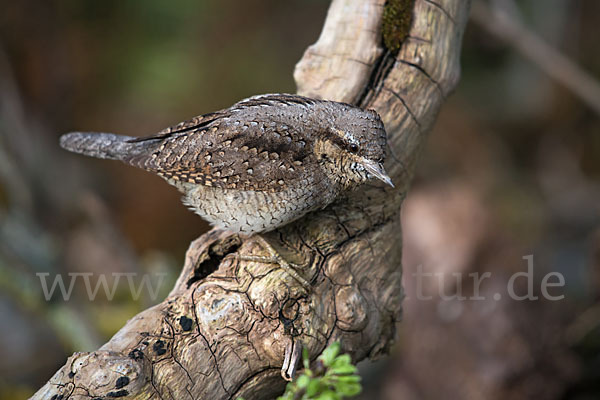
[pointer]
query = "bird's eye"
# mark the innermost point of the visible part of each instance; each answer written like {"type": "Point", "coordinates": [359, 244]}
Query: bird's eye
{"type": "Point", "coordinates": [353, 148]}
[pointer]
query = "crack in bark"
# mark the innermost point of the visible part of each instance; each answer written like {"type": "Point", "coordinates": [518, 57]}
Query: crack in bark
{"type": "Point", "coordinates": [424, 72]}
{"type": "Point", "coordinates": [442, 9]}
{"type": "Point", "coordinates": [235, 394]}
{"type": "Point", "coordinates": [406, 107]}
{"type": "Point", "coordinates": [418, 39]}
{"type": "Point", "coordinates": [212, 353]}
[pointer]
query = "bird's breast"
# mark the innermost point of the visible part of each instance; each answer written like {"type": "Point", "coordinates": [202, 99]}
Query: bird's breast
{"type": "Point", "coordinates": [250, 211]}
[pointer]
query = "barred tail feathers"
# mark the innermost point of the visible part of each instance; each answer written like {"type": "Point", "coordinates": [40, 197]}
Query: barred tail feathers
{"type": "Point", "coordinates": [102, 145]}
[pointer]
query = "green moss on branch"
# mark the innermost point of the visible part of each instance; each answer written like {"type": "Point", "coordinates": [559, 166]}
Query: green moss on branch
{"type": "Point", "coordinates": [396, 21]}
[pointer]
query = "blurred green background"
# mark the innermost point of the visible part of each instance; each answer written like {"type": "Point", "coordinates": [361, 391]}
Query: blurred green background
{"type": "Point", "coordinates": [511, 169]}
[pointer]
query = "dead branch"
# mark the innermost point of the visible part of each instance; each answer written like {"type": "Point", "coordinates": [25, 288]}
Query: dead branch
{"type": "Point", "coordinates": [227, 325]}
{"type": "Point", "coordinates": [559, 67]}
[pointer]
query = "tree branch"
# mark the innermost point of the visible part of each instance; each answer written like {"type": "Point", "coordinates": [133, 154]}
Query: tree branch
{"type": "Point", "coordinates": [225, 328]}
{"type": "Point", "coordinates": [509, 29]}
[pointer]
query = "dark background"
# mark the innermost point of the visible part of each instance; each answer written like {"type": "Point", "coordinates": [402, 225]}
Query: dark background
{"type": "Point", "coordinates": [510, 170]}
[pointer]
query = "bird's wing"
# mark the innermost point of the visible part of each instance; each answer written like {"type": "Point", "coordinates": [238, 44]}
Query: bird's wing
{"type": "Point", "coordinates": [245, 147]}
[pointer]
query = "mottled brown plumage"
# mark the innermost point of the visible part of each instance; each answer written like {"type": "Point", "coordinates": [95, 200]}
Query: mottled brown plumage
{"type": "Point", "coordinates": [259, 164]}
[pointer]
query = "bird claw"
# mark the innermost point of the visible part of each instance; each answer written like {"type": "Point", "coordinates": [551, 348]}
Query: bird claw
{"type": "Point", "coordinates": [274, 258]}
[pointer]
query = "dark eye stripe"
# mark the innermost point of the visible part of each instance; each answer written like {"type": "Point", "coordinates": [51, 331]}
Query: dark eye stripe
{"type": "Point", "coordinates": [335, 138]}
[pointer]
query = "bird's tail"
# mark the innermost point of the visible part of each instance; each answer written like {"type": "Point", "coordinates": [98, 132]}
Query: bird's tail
{"type": "Point", "coordinates": [102, 145]}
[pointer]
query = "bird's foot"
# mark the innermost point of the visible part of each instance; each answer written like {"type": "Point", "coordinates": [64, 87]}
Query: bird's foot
{"type": "Point", "coordinates": [275, 258]}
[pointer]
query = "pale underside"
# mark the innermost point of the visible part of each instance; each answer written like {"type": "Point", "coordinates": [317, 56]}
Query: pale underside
{"type": "Point", "coordinates": [252, 211]}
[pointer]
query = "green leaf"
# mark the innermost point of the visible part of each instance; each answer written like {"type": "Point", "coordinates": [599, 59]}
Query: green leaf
{"type": "Point", "coordinates": [342, 360]}
{"type": "Point", "coordinates": [329, 395]}
{"type": "Point", "coordinates": [329, 354]}
{"type": "Point", "coordinates": [348, 379]}
{"type": "Point", "coordinates": [314, 388]}
{"type": "Point", "coordinates": [348, 389]}
{"type": "Point", "coordinates": [305, 358]}
{"type": "Point", "coordinates": [344, 370]}
{"type": "Point", "coordinates": [302, 381]}
{"type": "Point", "coordinates": [334, 377]}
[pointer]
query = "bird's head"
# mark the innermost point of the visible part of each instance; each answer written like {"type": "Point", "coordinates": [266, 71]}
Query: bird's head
{"type": "Point", "coordinates": [353, 147]}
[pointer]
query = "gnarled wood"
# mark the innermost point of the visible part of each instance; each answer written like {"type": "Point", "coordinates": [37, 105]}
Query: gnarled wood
{"type": "Point", "coordinates": [224, 329]}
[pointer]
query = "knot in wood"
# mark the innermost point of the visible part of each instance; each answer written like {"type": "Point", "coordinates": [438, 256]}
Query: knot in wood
{"type": "Point", "coordinates": [351, 309]}
{"type": "Point", "coordinates": [289, 310]}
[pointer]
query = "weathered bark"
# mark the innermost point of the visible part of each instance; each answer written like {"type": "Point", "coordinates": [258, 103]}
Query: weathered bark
{"type": "Point", "coordinates": [224, 329]}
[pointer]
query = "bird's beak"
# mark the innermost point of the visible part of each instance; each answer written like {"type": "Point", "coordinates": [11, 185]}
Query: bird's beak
{"type": "Point", "coordinates": [376, 169]}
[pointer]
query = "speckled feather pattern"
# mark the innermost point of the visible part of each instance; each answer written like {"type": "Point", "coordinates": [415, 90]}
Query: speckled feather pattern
{"type": "Point", "coordinates": [257, 165]}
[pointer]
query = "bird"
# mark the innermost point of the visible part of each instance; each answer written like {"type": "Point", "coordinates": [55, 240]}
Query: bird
{"type": "Point", "coordinates": [258, 165]}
